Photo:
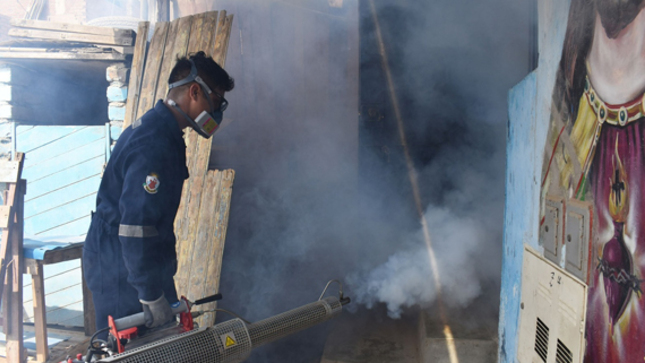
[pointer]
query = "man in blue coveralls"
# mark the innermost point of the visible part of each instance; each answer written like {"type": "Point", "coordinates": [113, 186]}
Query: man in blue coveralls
{"type": "Point", "coordinates": [129, 255]}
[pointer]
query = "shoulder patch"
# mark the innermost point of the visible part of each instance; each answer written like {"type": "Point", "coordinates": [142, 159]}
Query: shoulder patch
{"type": "Point", "coordinates": [152, 183]}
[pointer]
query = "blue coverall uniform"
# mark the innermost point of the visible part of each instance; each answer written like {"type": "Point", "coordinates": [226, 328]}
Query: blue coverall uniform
{"type": "Point", "coordinates": [129, 251]}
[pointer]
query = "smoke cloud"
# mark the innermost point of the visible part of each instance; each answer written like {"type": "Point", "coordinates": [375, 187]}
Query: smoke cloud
{"type": "Point", "coordinates": [453, 64]}
{"type": "Point", "coordinates": [303, 212]}
{"type": "Point", "coordinates": [405, 279]}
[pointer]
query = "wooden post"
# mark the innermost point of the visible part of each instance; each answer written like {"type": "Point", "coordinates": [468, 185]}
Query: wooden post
{"type": "Point", "coordinates": [136, 73]}
{"type": "Point", "coordinates": [40, 316]}
{"type": "Point", "coordinates": [15, 351]}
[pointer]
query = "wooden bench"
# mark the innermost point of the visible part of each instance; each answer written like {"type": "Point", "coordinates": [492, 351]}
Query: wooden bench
{"type": "Point", "coordinates": [37, 254]}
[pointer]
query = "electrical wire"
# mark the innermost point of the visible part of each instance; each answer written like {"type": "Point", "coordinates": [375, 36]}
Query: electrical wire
{"type": "Point", "coordinates": [96, 334]}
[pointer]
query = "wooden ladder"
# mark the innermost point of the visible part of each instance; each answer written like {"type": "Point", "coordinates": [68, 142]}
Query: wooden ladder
{"type": "Point", "coordinates": [11, 257]}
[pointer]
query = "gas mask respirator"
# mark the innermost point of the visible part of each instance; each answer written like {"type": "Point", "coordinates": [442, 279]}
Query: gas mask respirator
{"type": "Point", "coordinates": [207, 122]}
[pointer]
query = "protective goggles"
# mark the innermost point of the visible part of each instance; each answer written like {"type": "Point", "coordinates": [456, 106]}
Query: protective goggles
{"type": "Point", "coordinates": [207, 122]}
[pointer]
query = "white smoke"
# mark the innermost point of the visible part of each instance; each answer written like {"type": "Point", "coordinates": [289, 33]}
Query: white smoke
{"type": "Point", "coordinates": [406, 278]}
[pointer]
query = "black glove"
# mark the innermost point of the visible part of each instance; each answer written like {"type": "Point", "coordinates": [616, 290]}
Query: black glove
{"type": "Point", "coordinates": [157, 313]}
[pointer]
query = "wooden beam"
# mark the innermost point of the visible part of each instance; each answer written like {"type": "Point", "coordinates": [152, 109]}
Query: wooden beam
{"type": "Point", "coordinates": [214, 25]}
{"type": "Point", "coordinates": [70, 37]}
{"type": "Point", "coordinates": [123, 50]}
{"type": "Point", "coordinates": [176, 46]}
{"type": "Point", "coordinates": [222, 39]}
{"type": "Point", "coordinates": [218, 207]}
{"type": "Point", "coordinates": [63, 254]}
{"type": "Point", "coordinates": [151, 72]}
{"type": "Point", "coordinates": [40, 313]}
{"type": "Point", "coordinates": [15, 346]}
{"type": "Point", "coordinates": [167, 60]}
{"type": "Point", "coordinates": [136, 72]}
{"type": "Point", "coordinates": [184, 246]}
{"type": "Point", "coordinates": [62, 55]}
{"type": "Point", "coordinates": [6, 239]}
{"type": "Point", "coordinates": [71, 28]}
{"type": "Point", "coordinates": [202, 238]}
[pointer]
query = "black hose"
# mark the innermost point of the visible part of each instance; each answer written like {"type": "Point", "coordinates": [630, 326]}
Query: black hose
{"type": "Point", "coordinates": [90, 349]}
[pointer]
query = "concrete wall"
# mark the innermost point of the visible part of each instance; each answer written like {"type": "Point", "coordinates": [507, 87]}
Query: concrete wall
{"type": "Point", "coordinates": [529, 110]}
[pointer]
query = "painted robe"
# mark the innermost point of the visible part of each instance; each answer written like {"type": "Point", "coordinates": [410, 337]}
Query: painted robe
{"type": "Point", "coordinates": [609, 151]}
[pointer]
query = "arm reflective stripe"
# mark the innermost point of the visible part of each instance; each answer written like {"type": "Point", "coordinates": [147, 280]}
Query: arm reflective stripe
{"type": "Point", "coordinates": [126, 230]}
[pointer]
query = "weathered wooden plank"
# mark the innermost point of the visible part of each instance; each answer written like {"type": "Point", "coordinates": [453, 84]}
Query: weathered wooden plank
{"type": "Point", "coordinates": [178, 49]}
{"type": "Point", "coordinates": [25, 54]}
{"type": "Point", "coordinates": [36, 137]}
{"type": "Point", "coordinates": [203, 237]}
{"type": "Point", "coordinates": [54, 199]}
{"type": "Point", "coordinates": [12, 198]}
{"type": "Point", "coordinates": [136, 72]}
{"type": "Point", "coordinates": [219, 207]}
{"type": "Point", "coordinates": [15, 352]}
{"type": "Point", "coordinates": [122, 50]}
{"type": "Point", "coordinates": [198, 165]}
{"type": "Point", "coordinates": [151, 72]}
{"type": "Point", "coordinates": [181, 223]}
{"type": "Point", "coordinates": [196, 32]}
{"type": "Point", "coordinates": [167, 60]}
{"type": "Point", "coordinates": [223, 37]}
{"type": "Point", "coordinates": [64, 177]}
{"type": "Point", "coordinates": [72, 28]}
{"type": "Point", "coordinates": [207, 40]}
{"type": "Point", "coordinates": [66, 160]}
{"type": "Point", "coordinates": [189, 210]}
{"type": "Point", "coordinates": [72, 347]}
{"type": "Point", "coordinates": [195, 150]}
{"type": "Point", "coordinates": [39, 313]}
{"type": "Point", "coordinates": [194, 43]}
{"type": "Point", "coordinates": [64, 254]}
{"type": "Point", "coordinates": [198, 156]}
{"type": "Point", "coordinates": [71, 37]}
{"type": "Point", "coordinates": [61, 215]}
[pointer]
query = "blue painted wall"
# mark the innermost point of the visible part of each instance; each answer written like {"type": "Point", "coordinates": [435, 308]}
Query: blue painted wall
{"type": "Point", "coordinates": [63, 166]}
{"type": "Point", "coordinates": [528, 111]}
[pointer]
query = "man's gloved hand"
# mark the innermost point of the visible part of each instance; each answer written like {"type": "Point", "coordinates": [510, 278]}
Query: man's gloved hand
{"type": "Point", "coordinates": [157, 313]}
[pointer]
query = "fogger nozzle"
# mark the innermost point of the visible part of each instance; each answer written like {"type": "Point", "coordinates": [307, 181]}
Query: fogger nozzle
{"type": "Point", "coordinates": [232, 341]}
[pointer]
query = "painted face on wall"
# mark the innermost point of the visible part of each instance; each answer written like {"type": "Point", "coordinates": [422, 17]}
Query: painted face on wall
{"type": "Point", "coordinates": [615, 15]}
